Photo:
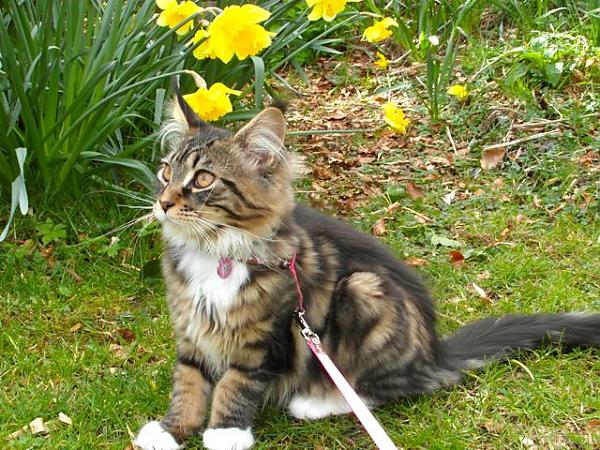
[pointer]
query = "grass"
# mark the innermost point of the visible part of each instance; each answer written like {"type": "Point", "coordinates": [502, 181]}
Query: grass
{"type": "Point", "coordinates": [81, 333]}
{"type": "Point", "coordinates": [100, 350]}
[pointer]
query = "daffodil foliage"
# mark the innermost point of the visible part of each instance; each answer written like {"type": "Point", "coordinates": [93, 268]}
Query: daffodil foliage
{"type": "Point", "coordinates": [232, 41]}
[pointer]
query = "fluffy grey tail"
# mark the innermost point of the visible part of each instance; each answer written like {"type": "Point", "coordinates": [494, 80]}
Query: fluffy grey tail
{"type": "Point", "coordinates": [500, 338]}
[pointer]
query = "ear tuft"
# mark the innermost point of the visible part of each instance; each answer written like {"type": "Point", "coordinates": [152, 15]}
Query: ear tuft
{"type": "Point", "coordinates": [263, 138]}
{"type": "Point", "coordinates": [182, 112]}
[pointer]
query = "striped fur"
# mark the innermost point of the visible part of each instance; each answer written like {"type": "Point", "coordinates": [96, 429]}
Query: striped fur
{"type": "Point", "coordinates": [237, 340]}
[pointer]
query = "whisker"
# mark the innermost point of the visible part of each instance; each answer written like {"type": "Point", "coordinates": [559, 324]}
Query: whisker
{"type": "Point", "coordinates": [146, 217]}
{"type": "Point", "coordinates": [134, 206]}
{"type": "Point", "coordinates": [135, 196]}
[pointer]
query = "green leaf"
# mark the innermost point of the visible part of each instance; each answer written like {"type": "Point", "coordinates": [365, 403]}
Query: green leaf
{"type": "Point", "coordinates": [444, 241]}
{"type": "Point", "coordinates": [18, 192]}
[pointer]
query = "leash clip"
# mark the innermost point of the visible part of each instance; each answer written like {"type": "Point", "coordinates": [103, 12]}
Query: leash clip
{"type": "Point", "coordinates": [306, 330]}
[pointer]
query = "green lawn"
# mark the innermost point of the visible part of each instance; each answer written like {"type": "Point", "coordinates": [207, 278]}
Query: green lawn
{"type": "Point", "coordinates": [83, 334]}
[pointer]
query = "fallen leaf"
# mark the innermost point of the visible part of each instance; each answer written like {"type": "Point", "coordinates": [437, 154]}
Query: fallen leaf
{"type": "Point", "coordinates": [449, 197]}
{"type": "Point", "coordinates": [593, 425]}
{"type": "Point", "coordinates": [589, 158]}
{"type": "Point", "coordinates": [126, 334]}
{"type": "Point", "coordinates": [414, 191]}
{"type": "Point", "coordinates": [457, 258]}
{"type": "Point", "coordinates": [480, 292]}
{"type": "Point", "coordinates": [37, 427]}
{"type": "Point", "coordinates": [493, 427]}
{"type": "Point", "coordinates": [527, 442]}
{"type": "Point", "coordinates": [65, 419]}
{"type": "Point", "coordinates": [498, 183]}
{"type": "Point", "coordinates": [443, 241]}
{"type": "Point", "coordinates": [379, 228]}
{"type": "Point", "coordinates": [492, 158]}
{"type": "Point", "coordinates": [117, 350]}
{"type": "Point", "coordinates": [415, 262]}
{"type": "Point", "coordinates": [322, 173]}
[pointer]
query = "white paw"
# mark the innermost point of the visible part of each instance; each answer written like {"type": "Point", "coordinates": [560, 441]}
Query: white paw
{"type": "Point", "coordinates": [153, 436]}
{"type": "Point", "coordinates": [311, 408]}
{"type": "Point", "coordinates": [227, 439]}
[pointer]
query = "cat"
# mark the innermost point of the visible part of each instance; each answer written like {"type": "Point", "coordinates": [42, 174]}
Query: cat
{"type": "Point", "coordinates": [230, 226]}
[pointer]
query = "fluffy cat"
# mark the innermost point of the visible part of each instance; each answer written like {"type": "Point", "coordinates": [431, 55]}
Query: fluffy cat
{"type": "Point", "coordinates": [230, 225]}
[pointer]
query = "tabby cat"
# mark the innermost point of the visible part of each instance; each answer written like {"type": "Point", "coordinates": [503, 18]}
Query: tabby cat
{"type": "Point", "coordinates": [230, 226]}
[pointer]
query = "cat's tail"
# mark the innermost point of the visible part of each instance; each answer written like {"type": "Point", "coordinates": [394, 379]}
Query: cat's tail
{"type": "Point", "coordinates": [496, 339]}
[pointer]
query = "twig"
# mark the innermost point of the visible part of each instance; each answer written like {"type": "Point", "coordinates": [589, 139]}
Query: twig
{"type": "Point", "coordinates": [450, 138]}
{"type": "Point", "coordinates": [418, 214]}
{"type": "Point", "coordinates": [521, 140]}
{"type": "Point", "coordinates": [549, 122]}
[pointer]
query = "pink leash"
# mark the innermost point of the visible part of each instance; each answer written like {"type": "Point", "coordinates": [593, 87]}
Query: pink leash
{"type": "Point", "coordinates": [366, 418]}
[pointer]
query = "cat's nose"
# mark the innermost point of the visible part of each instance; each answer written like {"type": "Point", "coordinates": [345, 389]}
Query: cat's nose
{"type": "Point", "coordinates": [166, 205]}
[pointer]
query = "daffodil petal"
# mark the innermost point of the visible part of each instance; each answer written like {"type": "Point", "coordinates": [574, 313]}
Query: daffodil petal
{"type": "Point", "coordinates": [165, 4]}
{"type": "Point", "coordinates": [255, 13]}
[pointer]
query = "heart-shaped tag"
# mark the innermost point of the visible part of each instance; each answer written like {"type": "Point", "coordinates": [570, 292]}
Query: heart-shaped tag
{"type": "Point", "coordinates": [224, 267]}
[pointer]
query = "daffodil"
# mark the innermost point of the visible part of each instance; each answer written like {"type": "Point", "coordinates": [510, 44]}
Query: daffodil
{"type": "Point", "coordinates": [382, 62]}
{"type": "Point", "coordinates": [394, 117]}
{"type": "Point", "coordinates": [236, 31]}
{"type": "Point", "coordinates": [204, 50]}
{"type": "Point", "coordinates": [326, 9]}
{"type": "Point", "coordinates": [213, 103]}
{"type": "Point", "coordinates": [380, 31]}
{"type": "Point", "coordinates": [459, 91]}
{"type": "Point", "coordinates": [175, 12]}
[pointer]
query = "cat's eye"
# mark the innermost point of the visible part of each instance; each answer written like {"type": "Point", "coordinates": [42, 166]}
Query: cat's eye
{"type": "Point", "coordinates": [165, 173]}
{"type": "Point", "coordinates": [203, 179]}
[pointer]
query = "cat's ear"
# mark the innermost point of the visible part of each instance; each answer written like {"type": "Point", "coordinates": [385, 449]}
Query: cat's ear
{"type": "Point", "coordinates": [262, 139]}
{"type": "Point", "coordinates": [183, 114]}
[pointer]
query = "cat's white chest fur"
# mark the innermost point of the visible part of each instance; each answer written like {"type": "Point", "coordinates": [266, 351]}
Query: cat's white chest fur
{"type": "Point", "coordinates": [210, 292]}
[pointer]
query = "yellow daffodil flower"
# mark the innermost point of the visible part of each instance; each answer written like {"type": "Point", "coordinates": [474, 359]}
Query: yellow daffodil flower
{"type": "Point", "coordinates": [379, 31]}
{"type": "Point", "coordinates": [204, 50]}
{"type": "Point", "coordinates": [382, 62]}
{"type": "Point", "coordinates": [459, 91]}
{"type": "Point", "coordinates": [234, 31]}
{"type": "Point", "coordinates": [326, 9]}
{"type": "Point", "coordinates": [175, 12]}
{"type": "Point", "coordinates": [213, 103]}
{"type": "Point", "coordinates": [394, 117]}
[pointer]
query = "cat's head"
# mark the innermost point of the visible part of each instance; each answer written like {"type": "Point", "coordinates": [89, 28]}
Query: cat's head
{"type": "Point", "coordinates": [220, 190]}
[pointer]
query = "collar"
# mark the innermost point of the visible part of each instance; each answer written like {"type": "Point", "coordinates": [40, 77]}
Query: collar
{"type": "Point", "coordinates": [225, 264]}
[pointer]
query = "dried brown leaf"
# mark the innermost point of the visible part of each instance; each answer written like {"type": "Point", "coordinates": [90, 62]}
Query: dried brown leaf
{"type": "Point", "coordinates": [379, 228]}
{"type": "Point", "coordinates": [589, 158]}
{"type": "Point", "coordinates": [493, 427]}
{"type": "Point", "coordinates": [414, 191]}
{"type": "Point", "coordinates": [457, 258]}
{"type": "Point", "coordinates": [593, 425]}
{"type": "Point", "coordinates": [126, 334]}
{"type": "Point", "coordinates": [491, 158]}
{"type": "Point", "coordinates": [415, 262]}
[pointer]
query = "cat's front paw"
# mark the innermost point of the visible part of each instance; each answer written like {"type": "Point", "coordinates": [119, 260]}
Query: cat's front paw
{"type": "Point", "coordinates": [227, 439]}
{"type": "Point", "coordinates": [153, 436]}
